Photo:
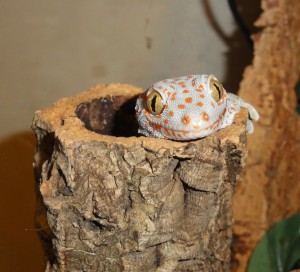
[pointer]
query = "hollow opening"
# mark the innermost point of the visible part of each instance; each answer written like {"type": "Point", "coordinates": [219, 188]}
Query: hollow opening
{"type": "Point", "coordinates": [110, 115]}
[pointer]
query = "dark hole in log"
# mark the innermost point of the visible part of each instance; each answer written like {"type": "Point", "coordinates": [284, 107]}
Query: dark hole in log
{"type": "Point", "coordinates": [110, 115]}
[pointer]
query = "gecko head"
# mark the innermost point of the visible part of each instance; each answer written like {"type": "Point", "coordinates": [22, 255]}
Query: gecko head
{"type": "Point", "coordinates": [182, 108]}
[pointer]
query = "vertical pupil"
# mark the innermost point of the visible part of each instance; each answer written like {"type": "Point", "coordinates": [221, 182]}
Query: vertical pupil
{"type": "Point", "coordinates": [153, 103]}
{"type": "Point", "coordinates": [219, 91]}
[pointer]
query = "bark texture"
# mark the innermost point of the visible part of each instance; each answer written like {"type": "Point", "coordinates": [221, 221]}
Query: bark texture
{"type": "Point", "coordinates": [270, 190]}
{"type": "Point", "coordinates": [117, 202]}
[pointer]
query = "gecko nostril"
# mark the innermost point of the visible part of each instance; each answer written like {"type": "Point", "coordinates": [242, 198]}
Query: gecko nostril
{"type": "Point", "coordinates": [204, 116]}
{"type": "Point", "coordinates": [186, 119]}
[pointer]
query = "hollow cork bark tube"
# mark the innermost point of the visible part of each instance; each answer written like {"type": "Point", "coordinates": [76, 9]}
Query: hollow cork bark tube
{"type": "Point", "coordinates": [118, 202]}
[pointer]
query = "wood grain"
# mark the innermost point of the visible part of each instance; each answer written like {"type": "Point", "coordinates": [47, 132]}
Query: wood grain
{"type": "Point", "coordinates": [115, 201]}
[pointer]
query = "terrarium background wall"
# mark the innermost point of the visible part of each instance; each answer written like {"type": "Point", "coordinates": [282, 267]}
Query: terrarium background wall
{"type": "Point", "coordinates": [52, 49]}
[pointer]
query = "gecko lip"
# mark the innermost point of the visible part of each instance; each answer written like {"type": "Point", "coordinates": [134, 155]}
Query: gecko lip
{"type": "Point", "coordinates": [199, 128]}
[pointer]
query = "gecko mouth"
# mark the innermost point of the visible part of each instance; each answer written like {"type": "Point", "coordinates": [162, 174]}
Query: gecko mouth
{"type": "Point", "coordinates": [169, 131]}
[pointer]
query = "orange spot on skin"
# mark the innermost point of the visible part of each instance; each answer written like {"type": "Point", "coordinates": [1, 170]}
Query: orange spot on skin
{"type": "Point", "coordinates": [166, 107]}
{"type": "Point", "coordinates": [186, 119]}
{"type": "Point", "coordinates": [182, 84]}
{"type": "Point", "coordinates": [202, 95]}
{"type": "Point", "coordinates": [204, 116]}
{"type": "Point", "coordinates": [181, 106]}
{"type": "Point", "coordinates": [200, 89]}
{"type": "Point", "coordinates": [199, 104]}
{"type": "Point", "coordinates": [185, 91]}
{"type": "Point", "coordinates": [172, 87]}
{"type": "Point", "coordinates": [168, 93]}
{"type": "Point", "coordinates": [173, 97]}
{"type": "Point", "coordinates": [166, 121]}
{"type": "Point", "coordinates": [189, 100]}
{"type": "Point", "coordinates": [171, 113]}
{"type": "Point", "coordinates": [196, 127]}
{"type": "Point", "coordinates": [194, 83]}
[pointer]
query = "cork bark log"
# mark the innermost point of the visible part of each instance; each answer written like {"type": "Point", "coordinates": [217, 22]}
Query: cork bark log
{"type": "Point", "coordinates": [270, 190]}
{"type": "Point", "coordinates": [111, 201]}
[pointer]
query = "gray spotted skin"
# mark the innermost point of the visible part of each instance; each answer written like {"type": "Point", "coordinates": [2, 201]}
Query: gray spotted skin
{"type": "Point", "coordinates": [189, 109]}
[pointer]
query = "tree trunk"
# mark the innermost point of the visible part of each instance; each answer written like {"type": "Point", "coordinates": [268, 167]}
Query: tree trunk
{"type": "Point", "coordinates": [120, 203]}
{"type": "Point", "coordinates": [270, 190]}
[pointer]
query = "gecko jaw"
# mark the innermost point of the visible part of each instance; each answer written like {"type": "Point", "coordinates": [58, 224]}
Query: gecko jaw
{"type": "Point", "coordinates": [199, 131]}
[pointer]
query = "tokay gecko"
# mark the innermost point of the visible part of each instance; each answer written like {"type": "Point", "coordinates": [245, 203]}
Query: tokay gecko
{"type": "Point", "coordinates": [188, 107]}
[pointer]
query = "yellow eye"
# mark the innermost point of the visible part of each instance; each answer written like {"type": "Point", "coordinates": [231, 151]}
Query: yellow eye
{"type": "Point", "coordinates": [154, 103]}
{"type": "Point", "coordinates": [217, 89]}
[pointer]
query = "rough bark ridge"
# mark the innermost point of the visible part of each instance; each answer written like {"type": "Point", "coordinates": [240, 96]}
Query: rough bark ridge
{"type": "Point", "coordinates": [132, 203]}
{"type": "Point", "coordinates": [270, 190]}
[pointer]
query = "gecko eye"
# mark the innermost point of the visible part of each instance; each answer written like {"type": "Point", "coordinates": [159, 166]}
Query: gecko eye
{"type": "Point", "coordinates": [217, 89]}
{"type": "Point", "coordinates": [154, 103]}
